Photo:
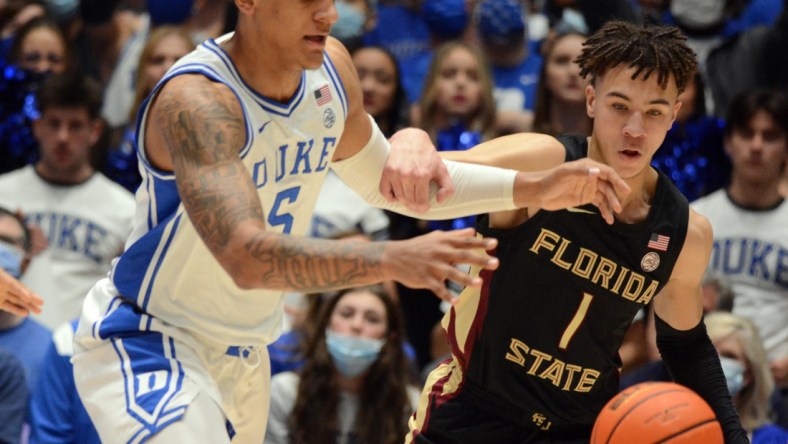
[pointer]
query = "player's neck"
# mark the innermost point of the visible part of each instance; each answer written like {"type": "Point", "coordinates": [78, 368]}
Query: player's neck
{"type": "Point", "coordinates": [264, 70]}
{"type": "Point", "coordinates": [636, 206]}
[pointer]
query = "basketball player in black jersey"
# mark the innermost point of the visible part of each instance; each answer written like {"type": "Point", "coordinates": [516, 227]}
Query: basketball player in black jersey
{"type": "Point", "coordinates": [535, 350]}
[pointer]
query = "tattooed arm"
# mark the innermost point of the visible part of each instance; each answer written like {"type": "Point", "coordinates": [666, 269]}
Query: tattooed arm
{"type": "Point", "coordinates": [196, 129]}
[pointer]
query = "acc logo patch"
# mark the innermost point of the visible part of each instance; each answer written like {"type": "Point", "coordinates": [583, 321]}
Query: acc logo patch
{"type": "Point", "coordinates": [650, 261]}
{"type": "Point", "coordinates": [329, 118]}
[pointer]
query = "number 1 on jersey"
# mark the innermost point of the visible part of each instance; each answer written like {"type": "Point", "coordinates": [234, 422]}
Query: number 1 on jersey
{"type": "Point", "coordinates": [574, 324]}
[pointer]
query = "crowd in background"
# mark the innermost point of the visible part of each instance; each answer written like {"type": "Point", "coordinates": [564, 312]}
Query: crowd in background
{"type": "Point", "coordinates": [75, 72]}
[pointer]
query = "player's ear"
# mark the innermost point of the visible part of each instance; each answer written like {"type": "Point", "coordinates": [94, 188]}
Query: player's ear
{"type": "Point", "coordinates": [245, 6]}
{"type": "Point", "coordinates": [590, 100]}
{"type": "Point", "coordinates": [676, 108]}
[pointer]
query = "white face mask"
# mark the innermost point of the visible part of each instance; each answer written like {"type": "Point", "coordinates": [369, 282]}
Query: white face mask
{"type": "Point", "coordinates": [11, 259]}
{"type": "Point", "coordinates": [352, 355]}
{"type": "Point", "coordinates": [734, 374]}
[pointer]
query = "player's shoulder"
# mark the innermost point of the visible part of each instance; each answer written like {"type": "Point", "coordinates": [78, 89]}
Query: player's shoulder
{"type": "Point", "coordinates": [699, 230]}
{"type": "Point", "coordinates": [191, 90]}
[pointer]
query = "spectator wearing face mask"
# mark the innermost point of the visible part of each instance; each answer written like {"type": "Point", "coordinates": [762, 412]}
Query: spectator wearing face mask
{"type": "Point", "coordinates": [356, 383]}
{"type": "Point", "coordinates": [22, 336]}
{"type": "Point", "coordinates": [356, 17]}
{"type": "Point", "coordinates": [747, 372]}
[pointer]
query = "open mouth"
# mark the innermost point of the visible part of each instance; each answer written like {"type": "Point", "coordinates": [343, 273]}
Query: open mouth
{"type": "Point", "coordinates": [630, 154]}
{"type": "Point", "coordinates": [319, 39]}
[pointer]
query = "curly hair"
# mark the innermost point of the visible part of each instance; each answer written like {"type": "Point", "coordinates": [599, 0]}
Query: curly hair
{"type": "Point", "coordinates": [650, 49]}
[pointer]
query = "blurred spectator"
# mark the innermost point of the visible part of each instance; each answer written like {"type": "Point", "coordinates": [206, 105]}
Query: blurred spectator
{"type": "Point", "coordinates": [692, 154]}
{"type": "Point", "coordinates": [749, 61]}
{"type": "Point", "coordinates": [166, 45]}
{"type": "Point", "coordinates": [381, 84]}
{"type": "Point", "coordinates": [209, 19]}
{"type": "Point", "coordinates": [107, 48]}
{"type": "Point", "coordinates": [457, 109]}
{"type": "Point", "coordinates": [39, 49]}
{"type": "Point", "coordinates": [560, 94]}
{"type": "Point", "coordinates": [717, 294]}
{"type": "Point", "coordinates": [447, 20]}
{"type": "Point", "coordinates": [14, 14]}
{"type": "Point", "coordinates": [748, 217]}
{"type": "Point", "coordinates": [84, 215]}
{"type": "Point", "coordinates": [402, 30]}
{"type": "Point", "coordinates": [57, 415]}
{"type": "Point", "coordinates": [339, 210]}
{"type": "Point", "coordinates": [287, 352]}
{"type": "Point", "coordinates": [639, 355]}
{"type": "Point", "coordinates": [356, 385]}
{"type": "Point", "coordinates": [22, 336]}
{"type": "Point", "coordinates": [14, 395]}
{"type": "Point", "coordinates": [515, 66]}
{"type": "Point", "coordinates": [570, 13]}
{"type": "Point", "coordinates": [746, 369]}
{"type": "Point", "coordinates": [356, 17]}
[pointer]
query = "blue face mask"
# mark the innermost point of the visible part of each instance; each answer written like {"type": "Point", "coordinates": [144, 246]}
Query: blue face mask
{"type": "Point", "coordinates": [350, 23]}
{"type": "Point", "coordinates": [734, 374]}
{"type": "Point", "coordinates": [352, 355]}
{"type": "Point", "coordinates": [11, 259]}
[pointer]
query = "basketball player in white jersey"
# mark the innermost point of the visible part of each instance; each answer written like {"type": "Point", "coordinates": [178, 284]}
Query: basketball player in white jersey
{"type": "Point", "coordinates": [234, 144]}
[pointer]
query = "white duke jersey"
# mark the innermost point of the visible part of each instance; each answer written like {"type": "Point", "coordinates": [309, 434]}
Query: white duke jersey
{"type": "Point", "coordinates": [167, 271]}
{"type": "Point", "coordinates": [751, 249]}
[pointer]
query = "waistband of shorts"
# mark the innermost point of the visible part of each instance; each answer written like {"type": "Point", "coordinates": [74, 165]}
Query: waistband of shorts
{"type": "Point", "coordinates": [496, 405]}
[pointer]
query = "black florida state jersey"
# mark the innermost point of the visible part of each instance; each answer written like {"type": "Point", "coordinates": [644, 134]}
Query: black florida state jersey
{"type": "Point", "coordinates": [543, 334]}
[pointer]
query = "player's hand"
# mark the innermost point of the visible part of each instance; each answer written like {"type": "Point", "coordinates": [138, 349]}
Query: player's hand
{"type": "Point", "coordinates": [411, 168]}
{"type": "Point", "coordinates": [581, 182]}
{"type": "Point", "coordinates": [16, 298]}
{"type": "Point", "coordinates": [429, 261]}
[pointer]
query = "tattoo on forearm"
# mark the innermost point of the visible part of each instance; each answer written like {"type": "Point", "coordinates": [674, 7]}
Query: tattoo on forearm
{"type": "Point", "coordinates": [315, 265]}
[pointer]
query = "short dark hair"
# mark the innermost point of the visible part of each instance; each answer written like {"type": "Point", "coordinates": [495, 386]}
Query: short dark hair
{"type": "Point", "coordinates": [4, 212]}
{"type": "Point", "coordinates": [746, 105]}
{"type": "Point", "coordinates": [650, 49]}
{"type": "Point", "coordinates": [70, 90]}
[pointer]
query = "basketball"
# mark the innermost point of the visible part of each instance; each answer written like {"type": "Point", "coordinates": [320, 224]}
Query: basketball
{"type": "Point", "coordinates": [653, 412]}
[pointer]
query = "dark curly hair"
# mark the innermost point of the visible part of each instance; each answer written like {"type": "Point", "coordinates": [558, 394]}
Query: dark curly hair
{"type": "Point", "coordinates": [650, 49]}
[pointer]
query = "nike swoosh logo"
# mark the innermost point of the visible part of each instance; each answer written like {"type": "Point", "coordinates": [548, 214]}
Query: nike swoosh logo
{"type": "Point", "coordinates": [263, 127]}
{"type": "Point", "coordinates": [579, 210]}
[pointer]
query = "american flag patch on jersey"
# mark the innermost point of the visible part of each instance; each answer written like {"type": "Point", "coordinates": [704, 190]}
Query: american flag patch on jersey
{"type": "Point", "coordinates": [658, 242]}
{"type": "Point", "coordinates": [323, 95]}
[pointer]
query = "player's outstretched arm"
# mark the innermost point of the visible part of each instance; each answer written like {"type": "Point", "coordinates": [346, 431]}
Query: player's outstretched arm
{"type": "Point", "coordinates": [681, 334]}
{"type": "Point", "coordinates": [196, 129]}
{"type": "Point", "coordinates": [409, 177]}
{"type": "Point", "coordinates": [16, 298]}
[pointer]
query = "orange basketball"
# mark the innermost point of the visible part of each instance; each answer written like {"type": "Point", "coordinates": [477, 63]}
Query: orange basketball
{"type": "Point", "coordinates": [656, 412]}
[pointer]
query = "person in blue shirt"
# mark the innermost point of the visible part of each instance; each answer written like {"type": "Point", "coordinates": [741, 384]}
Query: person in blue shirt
{"type": "Point", "coordinates": [14, 394]}
{"type": "Point", "coordinates": [57, 415]}
{"type": "Point", "coordinates": [20, 335]}
{"type": "Point", "coordinates": [515, 64]}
